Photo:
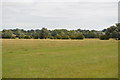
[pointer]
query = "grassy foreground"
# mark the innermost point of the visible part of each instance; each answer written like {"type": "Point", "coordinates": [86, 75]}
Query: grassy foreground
{"type": "Point", "coordinates": [60, 58]}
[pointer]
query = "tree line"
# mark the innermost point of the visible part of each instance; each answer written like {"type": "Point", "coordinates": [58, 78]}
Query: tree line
{"type": "Point", "coordinates": [44, 33]}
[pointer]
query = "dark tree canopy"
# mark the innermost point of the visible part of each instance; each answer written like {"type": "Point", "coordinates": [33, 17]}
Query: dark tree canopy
{"type": "Point", "coordinates": [44, 33]}
{"type": "Point", "coordinates": [113, 31]}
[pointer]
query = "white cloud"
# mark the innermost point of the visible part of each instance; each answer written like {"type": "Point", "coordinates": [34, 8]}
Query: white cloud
{"type": "Point", "coordinates": [60, 0]}
{"type": "Point", "coordinates": [69, 15]}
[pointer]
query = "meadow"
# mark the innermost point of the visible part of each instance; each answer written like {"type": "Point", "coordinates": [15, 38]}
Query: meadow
{"type": "Point", "coordinates": [88, 58]}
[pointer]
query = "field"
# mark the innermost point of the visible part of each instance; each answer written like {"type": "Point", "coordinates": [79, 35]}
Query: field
{"type": "Point", "coordinates": [89, 58]}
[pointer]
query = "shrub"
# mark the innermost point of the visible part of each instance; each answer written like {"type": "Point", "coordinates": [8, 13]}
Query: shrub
{"type": "Point", "coordinates": [51, 37]}
{"type": "Point", "coordinates": [104, 37]}
{"type": "Point", "coordinates": [65, 37]}
{"type": "Point", "coordinates": [13, 36]}
{"type": "Point", "coordinates": [27, 37]}
{"type": "Point", "coordinates": [77, 36]}
{"type": "Point", "coordinates": [80, 36]}
{"type": "Point", "coordinates": [21, 36]}
{"type": "Point", "coordinates": [59, 37]}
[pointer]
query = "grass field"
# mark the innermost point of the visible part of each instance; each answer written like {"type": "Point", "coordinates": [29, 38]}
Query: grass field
{"type": "Point", "coordinates": [89, 58]}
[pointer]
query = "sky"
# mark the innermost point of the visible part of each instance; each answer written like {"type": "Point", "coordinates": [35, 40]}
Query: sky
{"type": "Point", "coordinates": [58, 14]}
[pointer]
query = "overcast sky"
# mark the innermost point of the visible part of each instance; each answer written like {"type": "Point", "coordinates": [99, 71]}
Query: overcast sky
{"type": "Point", "coordinates": [58, 14]}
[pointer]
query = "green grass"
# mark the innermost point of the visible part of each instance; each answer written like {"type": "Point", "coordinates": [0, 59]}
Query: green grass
{"type": "Point", "coordinates": [89, 58]}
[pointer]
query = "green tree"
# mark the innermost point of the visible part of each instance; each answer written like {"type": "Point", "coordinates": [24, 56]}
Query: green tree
{"type": "Point", "coordinates": [113, 31]}
{"type": "Point", "coordinates": [118, 30]}
{"type": "Point", "coordinates": [44, 33]}
{"type": "Point", "coordinates": [104, 37]}
{"type": "Point", "coordinates": [7, 34]}
{"type": "Point", "coordinates": [59, 36]}
{"type": "Point", "coordinates": [27, 37]}
{"type": "Point", "coordinates": [80, 36]}
{"type": "Point", "coordinates": [65, 37]}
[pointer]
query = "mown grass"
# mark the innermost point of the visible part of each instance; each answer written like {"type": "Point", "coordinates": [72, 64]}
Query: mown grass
{"type": "Point", "coordinates": [89, 58]}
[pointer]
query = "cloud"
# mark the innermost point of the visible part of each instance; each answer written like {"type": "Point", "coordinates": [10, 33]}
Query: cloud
{"type": "Point", "coordinates": [69, 15]}
{"type": "Point", "coordinates": [60, 1]}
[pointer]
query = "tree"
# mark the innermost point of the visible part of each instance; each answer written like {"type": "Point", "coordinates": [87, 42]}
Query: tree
{"type": "Point", "coordinates": [65, 37]}
{"type": "Point", "coordinates": [59, 36]}
{"type": "Point", "coordinates": [113, 31]}
{"type": "Point", "coordinates": [44, 33]}
{"type": "Point", "coordinates": [36, 35]}
{"type": "Point", "coordinates": [118, 31]}
{"type": "Point", "coordinates": [51, 37]}
{"type": "Point", "coordinates": [20, 33]}
{"type": "Point", "coordinates": [104, 37]}
{"type": "Point", "coordinates": [80, 36]}
{"type": "Point", "coordinates": [0, 34]}
{"type": "Point", "coordinates": [7, 34]}
{"type": "Point", "coordinates": [13, 36]}
{"type": "Point", "coordinates": [76, 35]}
{"type": "Point", "coordinates": [27, 37]}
